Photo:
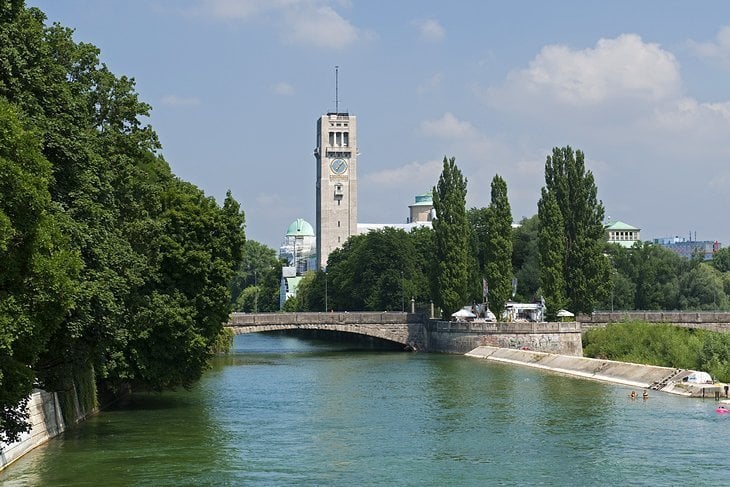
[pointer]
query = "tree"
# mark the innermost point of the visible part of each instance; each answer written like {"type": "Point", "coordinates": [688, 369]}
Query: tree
{"type": "Point", "coordinates": [721, 260]}
{"type": "Point", "coordinates": [586, 270]}
{"type": "Point", "coordinates": [451, 240]}
{"type": "Point", "coordinates": [702, 288]}
{"type": "Point", "coordinates": [146, 258]}
{"type": "Point", "coordinates": [498, 265]}
{"type": "Point", "coordinates": [552, 254]}
{"type": "Point", "coordinates": [374, 271]}
{"type": "Point", "coordinates": [38, 271]}
{"type": "Point", "coordinates": [256, 285]}
{"type": "Point", "coordinates": [526, 259]}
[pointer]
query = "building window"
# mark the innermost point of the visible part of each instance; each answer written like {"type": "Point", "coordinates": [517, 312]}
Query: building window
{"type": "Point", "coordinates": [332, 138]}
{"type": "Point", "coordinates": [338, 223]}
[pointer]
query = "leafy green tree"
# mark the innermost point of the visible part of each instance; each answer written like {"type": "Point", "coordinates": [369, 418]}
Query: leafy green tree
{"type": "Point", "coordinates": [155, 254]}
{"type": "Point", "coordinates": [552, 243]}
{"type": "Point", "coordinates": [498, 268]}
{"type": "Point", "coordinates": [423, 246]}
{"type": "Point", "coordinates": [38, 271]}
{"type": "Point", "coordinates": [702, 288]}
{"type": "Point", "coordinates": [374, 271]}
{"type": "Point", "coordinates": [451, 240]}
{"type": "Point", "coordinates": [586, 270]}
{"type": "Point", "coordinates": [526, 259]}
{"type": "Point", "coordinates": [256, 285]}
{"type": "Point", "coordinates": [721, 260]}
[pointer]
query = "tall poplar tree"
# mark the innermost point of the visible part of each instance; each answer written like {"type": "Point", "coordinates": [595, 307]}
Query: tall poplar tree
{"type": "Point", "coordinates": [498, 248]}
{"type": "Point", "coordinates": [451, 240]}
{"type": "Point", "coordinates": [586, 270]}
{"type": "Point", "coordinates": [551, 246]}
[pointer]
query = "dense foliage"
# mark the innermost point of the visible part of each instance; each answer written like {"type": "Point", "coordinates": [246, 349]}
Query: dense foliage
{"type": "Point", "coordinates": [255, 287]}
{"type": "Point", "coordinates": [585, 271]}
{"type": "Point", "coordinates": [376, 271]}
{"type": "Point", "coordinates": [498, 268]}
{"type": "Point", "coordinates": [648, 277]}
{"type": "Point", "coordinates": [662, 345]}
{"type": "Point", "coordinates": [450, 278]}
{"type": "Point", "coordinates": [108, 262]}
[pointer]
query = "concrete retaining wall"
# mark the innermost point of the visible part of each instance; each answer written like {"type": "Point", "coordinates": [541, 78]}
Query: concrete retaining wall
{"type": "Point", "coordinates": [461, 337]}
{"type": "Point", "coordinates": [665, 379]}
{"type": "Point", "coordinates": [46, 422]}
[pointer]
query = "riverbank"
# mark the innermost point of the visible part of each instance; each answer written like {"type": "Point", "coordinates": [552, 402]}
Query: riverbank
{"type": "Point", "coordinates": [665, 379]}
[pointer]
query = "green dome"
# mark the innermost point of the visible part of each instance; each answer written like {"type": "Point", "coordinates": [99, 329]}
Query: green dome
{"type": "Point", "coordinates": [300, 228]}
{"type": "Point", "coordinates": [424, 199]}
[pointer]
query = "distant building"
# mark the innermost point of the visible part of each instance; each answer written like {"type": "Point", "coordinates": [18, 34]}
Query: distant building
{"type": "Point", "coordinates": [421, 215]}
{"type": "Point", "coordinates": [299, 252]}
{"type": "Point", "coordinates": [687, 247]}
{"type": "Point", "coordinates": [336, 155]}
{"type": "Point", "coordinates": [623, 234]}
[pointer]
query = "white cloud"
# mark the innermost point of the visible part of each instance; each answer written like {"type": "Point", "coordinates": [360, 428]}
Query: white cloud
{"type": "Point", "coordinates": [416, 174]}
{"type": "Point", "coordinates": [431, 84]}
{"type": "Point", "coordinates": [448, 126]}
{"type": "Point", "coordinates": [717, 51]}
{"type": "Point", "coordinates": [430, 30]}
{"type": "Point", "coordinates": [302, 22]}
{"type": "Point", "coordinates": [234, 9]}
{"type": "Point", "coordinates": [319, 26]}
{"type": "Point", "coordinates": [282, 88]}
{"type": "Point", "coordinates": [180, 101]}
{"type": "Point", "coordinates": [624, 68]}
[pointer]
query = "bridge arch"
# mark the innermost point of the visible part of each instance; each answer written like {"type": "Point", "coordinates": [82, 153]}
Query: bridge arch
{"type": "Point", "coordinates": [404, 329]}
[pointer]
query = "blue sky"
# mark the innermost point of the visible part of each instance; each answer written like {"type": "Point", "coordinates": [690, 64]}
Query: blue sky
{"type": "Point", "coordinates": [236, 86]}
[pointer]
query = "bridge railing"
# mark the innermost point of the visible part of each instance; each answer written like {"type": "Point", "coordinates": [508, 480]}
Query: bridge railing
{"type": "Point", "coordinates": [656, 316]}
{"type": "Point", "coordinates": [504, 327]}
{"type": "Point", "coordinates": [360, 318]}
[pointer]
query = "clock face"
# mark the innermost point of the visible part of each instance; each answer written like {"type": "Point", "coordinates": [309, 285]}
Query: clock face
{"type": "Point", "coordinates": [338, 166]}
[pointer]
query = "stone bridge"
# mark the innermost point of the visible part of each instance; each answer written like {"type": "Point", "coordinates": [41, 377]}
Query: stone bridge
{"type": "Point", "coordinates": [406, 329]}
{"type": "Point", "coordinates": [415, 332]}
{"type": "Point", "coordinates": [707, 320]}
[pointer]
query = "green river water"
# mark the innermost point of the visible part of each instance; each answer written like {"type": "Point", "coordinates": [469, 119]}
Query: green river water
{"type": "Point", "coordinates": [282, 411]}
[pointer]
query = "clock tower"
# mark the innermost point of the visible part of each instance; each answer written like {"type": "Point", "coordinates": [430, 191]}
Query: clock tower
{"type": "Point", "coordinates": [336, 155]}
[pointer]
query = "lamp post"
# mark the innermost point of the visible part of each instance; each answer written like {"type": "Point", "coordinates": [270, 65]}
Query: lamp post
{"type": "Point", "coordinates": [256, 296]}
{"type": "Point", "coordinates": [325, 290]}
{"type": "Point", "coordinates": [402, 293]}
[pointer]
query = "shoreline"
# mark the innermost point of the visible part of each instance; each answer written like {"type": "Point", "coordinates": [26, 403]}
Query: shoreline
{"type": "Point", "coordinates": [654, 377]}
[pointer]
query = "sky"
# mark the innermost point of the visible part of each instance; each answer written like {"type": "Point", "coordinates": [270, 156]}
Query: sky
{"type": "Point", "coordinates": [236, 87]}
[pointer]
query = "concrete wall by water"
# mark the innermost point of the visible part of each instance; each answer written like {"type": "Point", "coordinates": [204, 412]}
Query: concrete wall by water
{"type": "Point", "coordinates": [461, 337]}
{"type": "Point", "coordinates": [46, 422]}
{"type": "Point", "coordinates": [634, 375]}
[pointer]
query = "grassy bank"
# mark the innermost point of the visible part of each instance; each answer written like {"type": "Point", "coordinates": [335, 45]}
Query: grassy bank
{"type": "Point", "coordinates": [663, 345]}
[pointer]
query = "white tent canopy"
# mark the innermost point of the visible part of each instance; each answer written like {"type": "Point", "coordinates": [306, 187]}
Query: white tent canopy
{"type": "Point", "coordinates": [564, 312]}
{"type": "Point", "coordinates": [463, 313]}
{"type": "Point", "coordinates": [699, 378]}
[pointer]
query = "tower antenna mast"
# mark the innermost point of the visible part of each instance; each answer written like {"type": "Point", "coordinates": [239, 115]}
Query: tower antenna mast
{"type": "Point", "coordinates": [337, 89]}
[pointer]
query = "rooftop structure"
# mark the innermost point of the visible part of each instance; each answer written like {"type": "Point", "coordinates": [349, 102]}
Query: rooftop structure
{"type": "Point", "coordinates": [687, 247]}
{"type": "Point", "coordinates": [622, 234]}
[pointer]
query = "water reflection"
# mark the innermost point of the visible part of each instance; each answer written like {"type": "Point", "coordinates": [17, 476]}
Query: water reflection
{"type": "Point", "coordinates": [284, 411]}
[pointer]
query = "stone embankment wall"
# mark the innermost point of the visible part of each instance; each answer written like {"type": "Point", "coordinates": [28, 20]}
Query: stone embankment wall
{"type": "Point", "coordinates": [718, 321]}
{"type": "Point", "coordinates": [654, 377]}
{"type": "Point", "coordinates": [461, 337]}
{"type": "Point", "coordinates": [46, 422]}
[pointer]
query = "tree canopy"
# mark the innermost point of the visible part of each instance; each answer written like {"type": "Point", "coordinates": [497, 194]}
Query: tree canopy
{"type": "Point", "coordinates": [585, 270]}
{"type": "Point", "coordinates": [450, 277]}
{"type": "Point", "coordinates": [110, 263]}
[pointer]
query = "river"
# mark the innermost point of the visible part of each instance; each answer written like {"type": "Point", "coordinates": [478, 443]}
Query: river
{"type": "Point", "coordinates": [283, 411]}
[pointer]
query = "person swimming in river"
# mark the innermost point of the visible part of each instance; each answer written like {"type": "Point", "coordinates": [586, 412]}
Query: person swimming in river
{"type": "Point", "coordinates": [632, 395]}
{"type": "Point", "coordinates": [645, 395]}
